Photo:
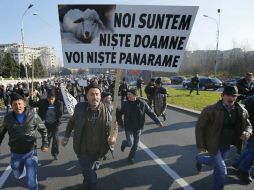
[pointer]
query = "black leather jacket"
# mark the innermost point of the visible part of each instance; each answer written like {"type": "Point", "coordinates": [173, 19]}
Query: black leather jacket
{"type": "Point", "coordinates": [141, 108]}
{"type": "Point", "coordinates": [22, 137]}
{"type": "Point", "coordinates": [43, 108]}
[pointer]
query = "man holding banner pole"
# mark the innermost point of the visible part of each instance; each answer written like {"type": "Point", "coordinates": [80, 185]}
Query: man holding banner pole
{"type": "Point", "coordinates": [92, 138]}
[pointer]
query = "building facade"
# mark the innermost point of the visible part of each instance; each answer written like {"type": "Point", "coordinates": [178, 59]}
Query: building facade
{"type": "Point", "coordinates": [47, 55]}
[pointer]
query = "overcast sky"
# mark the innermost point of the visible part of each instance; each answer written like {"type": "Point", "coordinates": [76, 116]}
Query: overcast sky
{"type": "Point", "coordinates": [236, 22]}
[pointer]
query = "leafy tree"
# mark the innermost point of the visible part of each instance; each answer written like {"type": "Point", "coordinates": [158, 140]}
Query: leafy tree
{"type": "Point", "coordinates": [22, 71]}
{"type": "Point", "coordinates": [81, 71]}
{"type": "Point", "coordinates": [39, 69]}
{"type": "Point", "coordinates": [9, 66]}
{"type": "Point", "coordinates": [65, 71]}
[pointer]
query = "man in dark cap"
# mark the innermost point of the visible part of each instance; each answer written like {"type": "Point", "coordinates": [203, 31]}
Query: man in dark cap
{"type": "Point", "coordinates": [219, 126]}
{"type": "Point", "coordinates": [134, 111]}
{"type": "Point", "coordinates": [91, 123]}
{"type": "Point", "coordinates": [123, 90]}
{"type": "Point", "coordinates": [50, 112]}
{"type": "Point", "coordinates": [160, 99]}
{"type": "Point", "coordinates": [106, 98]}
{"type": "Point", "coordinates": [21, 124]}
{"type": "Point", "coordinates": [246, 85]}
{"type": "Point", "coordinates": [149, 90]}
{"type": "Point", "coordinates": [139, 84]}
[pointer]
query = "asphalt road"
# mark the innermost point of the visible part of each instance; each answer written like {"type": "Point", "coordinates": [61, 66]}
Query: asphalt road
{"type": "Point", "coordinates": [173, 145]}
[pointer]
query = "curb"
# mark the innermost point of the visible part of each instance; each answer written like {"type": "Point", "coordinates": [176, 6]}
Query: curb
{"type": "Point", "coordinates": [180, 109]}
{"type": "Point", "coordinates": [185, 110]}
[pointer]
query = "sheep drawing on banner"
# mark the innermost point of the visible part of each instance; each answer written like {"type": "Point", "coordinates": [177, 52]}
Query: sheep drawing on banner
{"type": "Point", "coordinates": [81, 26]}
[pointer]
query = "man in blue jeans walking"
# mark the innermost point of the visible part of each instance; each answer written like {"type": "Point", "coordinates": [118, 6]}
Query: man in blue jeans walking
{"type": "Point", "coordinates": [245, 161]}
{"type": "Point", "coordinates": [219, 126]}
{"type": "Point", "coordinates": [134, 111]}
{"type": "Point", "coordinates": [21, 124]}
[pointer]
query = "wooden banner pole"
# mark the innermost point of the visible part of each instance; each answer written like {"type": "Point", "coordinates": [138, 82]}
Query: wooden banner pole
{"type": "Point", "coordinates": [115, 102]}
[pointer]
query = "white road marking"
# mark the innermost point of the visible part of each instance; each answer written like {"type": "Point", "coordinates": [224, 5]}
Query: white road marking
{"type": "Point", "coordinates": [5, 175]}
{"type": "Point", "coordinates": [166, 168]}
{"type": "Point", "coordinates": [156, 159]}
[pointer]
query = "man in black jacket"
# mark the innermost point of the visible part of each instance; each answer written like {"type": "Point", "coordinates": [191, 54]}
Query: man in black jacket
{"type": "Point", "coordinates": [194, 84]}
{"type": "Point", "coordinates": [123, 90]}
{"type": "Point", "coordinates": [139, 85]}
{"type": "Point", "coordinates": [149, 90]}
{"type": "Point", "coordinates": [246, 85]}
{"type": "Point", "coordinates": [134, 111]}
{"type": "Point", "coordinates": [50, 111]}
{"type": "Point", "coordinates": [160, 99]}
{"type": "Point", "coordinates": [20, 125]}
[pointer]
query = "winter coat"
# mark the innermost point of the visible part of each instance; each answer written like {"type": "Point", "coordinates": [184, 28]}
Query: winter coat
{"type": "Point", "coordinates": [22, 137]}
{"type": "Point", "coordinates": [77, 123]}
{"type": "Point", "coordinates": [210, 124]}
{"type": "Point", "coordinates": [142, 108]}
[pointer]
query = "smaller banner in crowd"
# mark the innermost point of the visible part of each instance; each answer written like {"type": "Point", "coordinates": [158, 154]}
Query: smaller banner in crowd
{"type": "Point", "coordinates": [82, 82]}
{"type": "Point", "coordinates": [69, 100]}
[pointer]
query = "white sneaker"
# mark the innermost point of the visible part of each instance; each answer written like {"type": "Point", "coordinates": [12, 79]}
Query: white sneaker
{"type": "Point", "coordinates": [23, 173]}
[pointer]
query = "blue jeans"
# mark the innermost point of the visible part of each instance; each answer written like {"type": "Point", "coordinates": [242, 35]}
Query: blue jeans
{"type": "Point", "coordinates": [218, 163]}
{"type": "Point", "coordinates": [29, 161]}
{"type": "Point", "coordinates": [53, 133]}
{"type": "Point", "coordinates": [128, 141]}
{"type": "Point", "coordinates": [90, 177]}
{"type": "Point", "coordinates": [246, 159]}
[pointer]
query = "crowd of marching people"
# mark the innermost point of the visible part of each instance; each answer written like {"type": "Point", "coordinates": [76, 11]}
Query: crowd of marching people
{"type": "Point", "coordinates": [43, 107]}
{"type": "Point", "coordinates": [219, 126]}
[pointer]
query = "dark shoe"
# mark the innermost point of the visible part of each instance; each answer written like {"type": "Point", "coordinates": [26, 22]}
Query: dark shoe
{"type": "Point", "coordinates": [235, 166]}
{"type": "Point", "coordinates": [245, 177]}
{"type": "Point", "coordinates": [55, 157]}
{"type": "Point", "coordinates": [131, 160]}
{"type": "Point", "coordinates": [96, 165]}
{"type": "Point", "coordinates": [122, 147]}
{"type": "Point", "coordinates": [164, 117]}
{"type": "Point", "coordinates": [90, 187]}
{"type": "Point", "coordinates": [198, 166]}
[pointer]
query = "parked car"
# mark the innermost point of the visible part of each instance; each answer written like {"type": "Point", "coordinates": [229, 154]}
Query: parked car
{"type": "Point", "coordinates": [206, 83]}
{"type": "Point", "coordinates": [186, 83]}
{"type": "Point", "coordinates": [164, 80]}
{"type": "Point", "coordinates": [177, 79]}
{"type": "Point", "coordinates": [231, 82]}
{"type": "Point", "coordinates": [132, 83]}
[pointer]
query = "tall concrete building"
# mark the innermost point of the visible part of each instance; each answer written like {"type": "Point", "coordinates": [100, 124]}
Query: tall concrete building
{"type": "Point", "coordinates": [47, 55]}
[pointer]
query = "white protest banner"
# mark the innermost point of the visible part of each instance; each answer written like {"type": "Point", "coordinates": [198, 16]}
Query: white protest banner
{"type": "Point", "coordinates": [82, 82]}
{"type": "Point", "coordinates": [69, 100]}
{"type": "Point", "coordinates": [137, 37]}
{"type": "Point", "coordinates": [52, 83]}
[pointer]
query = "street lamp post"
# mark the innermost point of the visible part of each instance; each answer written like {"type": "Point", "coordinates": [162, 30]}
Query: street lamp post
{"type": "Point", "coordinates": [217, 38]}
{"type": "Point", "coordinates": [23, 45]}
